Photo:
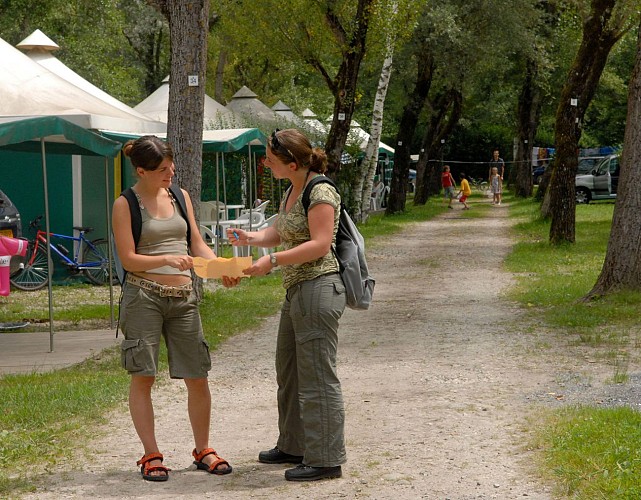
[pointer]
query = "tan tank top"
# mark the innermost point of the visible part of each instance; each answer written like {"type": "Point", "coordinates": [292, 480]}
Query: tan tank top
{"type": "Point", "coordinates": [163, 237]}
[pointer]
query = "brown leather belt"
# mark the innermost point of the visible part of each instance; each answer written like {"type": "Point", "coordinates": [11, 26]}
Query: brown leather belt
{"type": "Point", "coordinates": [181, 291]}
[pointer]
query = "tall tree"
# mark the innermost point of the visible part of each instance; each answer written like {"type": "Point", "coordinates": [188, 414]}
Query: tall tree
{"type": "Point", "coordinates": [622, 265]}
{"type": "Point", "coordinates": [602, 28]}
{"type": "Point", "coordinates": [188, 30]}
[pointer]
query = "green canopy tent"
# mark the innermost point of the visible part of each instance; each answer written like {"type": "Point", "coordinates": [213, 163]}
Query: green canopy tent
{"type": "Point", "coordinates": [54, 135]}
{"type": "Point", "coordinates": [243, 140]}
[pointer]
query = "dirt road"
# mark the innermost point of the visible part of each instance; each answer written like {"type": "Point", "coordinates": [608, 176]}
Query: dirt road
{"type": "Point", "coordinates": [437, 378]}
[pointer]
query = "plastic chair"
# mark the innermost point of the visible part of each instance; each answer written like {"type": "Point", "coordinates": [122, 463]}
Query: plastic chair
{"type": "Point", "coordinates": [208, 210]}
{"type": "Point", "coordinates": [260, 208]}
{"type": "Point", "coordinates": [376, 197]}
{"type": "Point", "coordinates": [268, 223]}
{"type": "Point", "coordinates": [208, 236]}
{"type": "Point", "coordinates": [246, 222]}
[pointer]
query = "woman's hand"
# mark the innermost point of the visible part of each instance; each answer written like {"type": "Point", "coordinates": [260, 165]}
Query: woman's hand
{"type": "Point", "coordinates": [180, 262]}
{"type": "Point", "coordinates": [230, 282]}
{"type": "Point", "coordinates": [260, 268]}
{"type": "Point", "coordinates": [238, 237]}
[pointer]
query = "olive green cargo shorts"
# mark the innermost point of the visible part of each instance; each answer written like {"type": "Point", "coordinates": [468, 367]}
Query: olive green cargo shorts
{"type": "Point", "coordinates": [145, 316]}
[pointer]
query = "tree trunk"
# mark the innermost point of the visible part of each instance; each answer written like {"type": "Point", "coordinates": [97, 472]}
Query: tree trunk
{"type": "Point", "coordinates": [416, 102]}
{"type": "Point", "coordinates": [622, 266]}
{"type": "Point", "coordinates": [344, 84]}
{"type": "Point", "coordinates": [528, 113]}
{"type": "Point", "coordinates": [188, 30]}
{"type": "Point", "coordinates": [364, 182]}
{"type": "Point", "coordinates": [578, 91]}
{"type": "Point", "coordinates": [446, 112]}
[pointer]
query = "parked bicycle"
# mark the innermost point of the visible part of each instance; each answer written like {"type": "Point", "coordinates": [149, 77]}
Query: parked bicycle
{"type": "Point", "coordinates": [89, 257]}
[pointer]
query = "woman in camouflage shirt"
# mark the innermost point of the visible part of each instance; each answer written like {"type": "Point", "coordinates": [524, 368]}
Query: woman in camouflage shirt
{"type": "Point", "coordinates": [310, 402]}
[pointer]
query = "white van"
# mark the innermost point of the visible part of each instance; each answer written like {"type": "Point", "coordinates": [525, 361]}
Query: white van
{"type": "Point", "coordinates": [601, 183]}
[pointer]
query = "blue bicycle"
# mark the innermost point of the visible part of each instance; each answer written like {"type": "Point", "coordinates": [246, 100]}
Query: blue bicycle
{"type": "Point", "coordinates": [89, 258]}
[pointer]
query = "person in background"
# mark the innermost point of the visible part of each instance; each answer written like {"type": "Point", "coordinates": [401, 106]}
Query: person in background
{"type": "Point", "coordinates": [498, 163]}
{"type": "Point", "coordinates": [449, 185]}
{"type": "Point", "coordinates": [311, 415]}
{"type": "Point", "coordinates": [157, 300]}
{"type": "Point", "coordinates": [496, 185]}
{"type": "Point", "coordinates": [465, 191]}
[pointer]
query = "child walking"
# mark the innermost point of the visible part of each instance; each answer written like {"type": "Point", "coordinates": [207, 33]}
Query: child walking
{"type": "Point", "coordinates": [447, 181]}
{"type": "Point", "coordinates": [465, 191]}
{"type": "Point", "coordinates": [496, 185]}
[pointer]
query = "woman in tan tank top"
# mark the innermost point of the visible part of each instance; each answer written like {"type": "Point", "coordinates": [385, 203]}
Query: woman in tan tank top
{"type": "Point", "coordinates": [157, 300]}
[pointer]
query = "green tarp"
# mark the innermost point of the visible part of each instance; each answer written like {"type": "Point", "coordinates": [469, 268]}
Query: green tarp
{"type": "Point", "coordinates": [214, 141]}
{"type": "Point", "coordinates": [61, 136]}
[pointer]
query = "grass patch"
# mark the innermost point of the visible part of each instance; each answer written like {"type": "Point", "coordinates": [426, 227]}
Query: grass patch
{"type": "Point", "coordinates": [553, 279]}
{"type": "Point", "coordinates": [586, 452]}
{"type": "Point", "coordinates": [592, 453]}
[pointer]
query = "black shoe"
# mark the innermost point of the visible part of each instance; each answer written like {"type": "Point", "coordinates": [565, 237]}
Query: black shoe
{"type": "Point", "coordinates": [307, 473]}
{"type": "Point", "coordinates": [275, 456]}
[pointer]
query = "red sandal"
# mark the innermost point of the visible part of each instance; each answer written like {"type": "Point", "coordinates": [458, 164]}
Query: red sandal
{"type": "Point", "coordinates": [146, 469]}
{"type": "Point", "coordinates": [212, 469]}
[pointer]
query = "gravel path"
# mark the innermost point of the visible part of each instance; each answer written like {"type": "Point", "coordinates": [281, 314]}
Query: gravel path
{"type": "Point", "coordinates": [438, 379]}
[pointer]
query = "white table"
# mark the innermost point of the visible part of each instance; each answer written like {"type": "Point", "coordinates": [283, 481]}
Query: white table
{"type": "Point", "coordinates": [235, 208]}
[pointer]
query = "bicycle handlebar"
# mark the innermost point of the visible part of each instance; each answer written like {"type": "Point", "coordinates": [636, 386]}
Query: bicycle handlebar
{"type": "Point", "coordinates": [35, 223]}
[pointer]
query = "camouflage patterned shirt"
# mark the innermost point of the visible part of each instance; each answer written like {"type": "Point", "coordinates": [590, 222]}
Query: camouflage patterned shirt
{"type": "Point", "coordinates": [293, 230]}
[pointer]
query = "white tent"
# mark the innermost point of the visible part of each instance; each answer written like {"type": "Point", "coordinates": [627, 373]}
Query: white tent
{"type": "Point", "coordinates": [29, 89]}
{"type": "Point", "coordinates": [247, 105]}
{"type": "Point", "coordinates": [313, 122]}
{"type": "Point", "coordinates": [359, 137]}
{"type": "Point", "coordinates": [216, 115]}
{"type": "Point", "coordinates": [39, 47]}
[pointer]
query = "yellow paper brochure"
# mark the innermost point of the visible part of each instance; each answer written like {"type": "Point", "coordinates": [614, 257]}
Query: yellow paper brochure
{"type": "Point", "coordinates": [219, 267]}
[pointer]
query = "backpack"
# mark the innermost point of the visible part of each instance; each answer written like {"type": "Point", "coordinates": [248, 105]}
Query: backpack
{"type": "Point", "coordinates": [350, 253]}
{"type": "Point", "coordinates": [136, 223]}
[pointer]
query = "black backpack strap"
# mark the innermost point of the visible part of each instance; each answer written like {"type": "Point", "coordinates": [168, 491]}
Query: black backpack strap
{"type": "Point", "coordinates": [136, 216]}
{"type": "Point", "coordinates": [319, 179]}
{"type": "Point", "coordinates": [180, 198]}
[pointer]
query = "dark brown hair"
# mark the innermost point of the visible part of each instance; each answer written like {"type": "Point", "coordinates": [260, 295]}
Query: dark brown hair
{"type": "Point", "coordinates": [148, 152]}
{"type": "Point", "coordinates": [295, 146]}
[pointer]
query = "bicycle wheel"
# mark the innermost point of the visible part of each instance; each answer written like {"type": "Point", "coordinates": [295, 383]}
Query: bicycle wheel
{"type": "Point", "coordinates": [35, 274]}
{"type": "Point", "coordinates": [94, 259]}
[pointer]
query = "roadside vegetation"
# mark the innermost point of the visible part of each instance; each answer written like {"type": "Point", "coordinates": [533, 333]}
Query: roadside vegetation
{"type": "Point", "coordinates": [37, 433]}
{"type": "Point", "coordinates": [587, 452]}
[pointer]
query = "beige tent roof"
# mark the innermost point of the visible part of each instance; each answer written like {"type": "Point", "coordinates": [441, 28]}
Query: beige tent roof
{"type": "Point", "coordinates": [29, 89]}
{"type": "Point", "coordinates": [247, 105]}
{"type": "Point", "coordinates": [216, 116]}
{"type": "Point", "coordinates": [39, 48]}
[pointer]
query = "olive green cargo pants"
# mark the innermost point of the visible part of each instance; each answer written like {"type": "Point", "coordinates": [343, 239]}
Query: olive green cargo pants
{"type": "Point", "coordinates": [311, 415]}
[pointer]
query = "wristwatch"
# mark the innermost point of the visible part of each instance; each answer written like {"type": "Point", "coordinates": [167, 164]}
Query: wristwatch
{"type": "Point", "coordinates": [272, 259]}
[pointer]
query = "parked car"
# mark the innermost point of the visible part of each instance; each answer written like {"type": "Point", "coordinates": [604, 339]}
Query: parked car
{"type": "Point", "coordinates": [10, 225]}
{"type": "Point", "coordinates": [601, 183]}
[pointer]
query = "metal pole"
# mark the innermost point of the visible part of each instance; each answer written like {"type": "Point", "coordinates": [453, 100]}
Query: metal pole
{"type": "Point", "coordinates": [47, 229]}
{"type": "Point", "coordinates": [109, 247]}
{"type": "Point", "coordinates": [218, 236]}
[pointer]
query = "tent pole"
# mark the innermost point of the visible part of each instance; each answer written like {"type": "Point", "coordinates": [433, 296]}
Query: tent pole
{"type": "Point", "coordinates": [109, 246]}
{"type": "Point", "coordinates": [250, 202]}
{"type": "Point", "coordinates": [224, 185]}
{"type": "Point", "coordinates": [47, 229]}
{"type": "Point", "coordinates": [218, 236]}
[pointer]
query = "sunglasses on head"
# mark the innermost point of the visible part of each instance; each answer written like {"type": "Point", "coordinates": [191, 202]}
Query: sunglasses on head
{"type": "Point", "coordinates": [277, 146]}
